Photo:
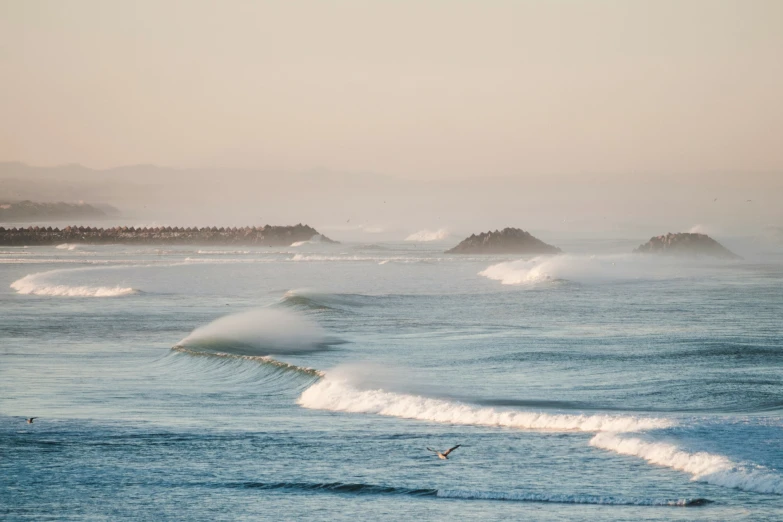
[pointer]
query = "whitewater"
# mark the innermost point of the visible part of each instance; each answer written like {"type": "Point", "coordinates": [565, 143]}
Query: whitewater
{"type": "Point", "coordinates": [309, 380]}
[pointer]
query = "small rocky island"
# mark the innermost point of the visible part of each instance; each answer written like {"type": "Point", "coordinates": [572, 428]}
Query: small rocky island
{"type": "Point", "coordinates": [258, 236]}
{"type": "Point", "coordinates": [506, 241]}
{"type": "Point", "coordinates": [686, 244]}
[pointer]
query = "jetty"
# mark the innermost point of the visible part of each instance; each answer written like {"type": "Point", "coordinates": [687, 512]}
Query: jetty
{"type": "Point", "coordinates": [267, 235]}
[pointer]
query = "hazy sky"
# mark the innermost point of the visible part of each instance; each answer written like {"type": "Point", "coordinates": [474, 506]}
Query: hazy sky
{"type": "Point", "coordinates": [419, 89]}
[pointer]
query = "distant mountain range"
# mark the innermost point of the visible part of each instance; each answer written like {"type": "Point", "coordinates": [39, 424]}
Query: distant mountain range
{"type": "Point", "coordinates": [30, 211]}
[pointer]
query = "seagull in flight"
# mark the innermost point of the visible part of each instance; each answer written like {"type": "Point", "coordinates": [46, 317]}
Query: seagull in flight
{"type": "Point", "coordinates": [31, 419]}
{"type": "Point", "coordinates": [444, 455]}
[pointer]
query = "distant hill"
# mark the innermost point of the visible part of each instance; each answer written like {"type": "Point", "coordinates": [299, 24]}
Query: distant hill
{"type": "Point", "coordinates": [28, 211]}
{"type": "Point", "coordinates": [686, 244]}
{"type": "Point", "coordinates": [506, 241]}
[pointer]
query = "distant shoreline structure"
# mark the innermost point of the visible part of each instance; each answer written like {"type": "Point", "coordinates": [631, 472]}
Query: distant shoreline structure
{"type": "Point", "coordinates": [267, 235]}
{"type": "Point", "coordinates": [685, 244]}
{"type": "Point", "coordinates": [506, 241]}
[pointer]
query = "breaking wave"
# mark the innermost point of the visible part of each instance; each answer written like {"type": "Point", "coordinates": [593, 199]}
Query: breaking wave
{"type": "Point", "coordinates": [258, 333]}
{"type": "Point", "coordinates": [519, 496]}
{"type": "Point", "coordinates": [582, 268]}
{"type": "Point", "coordinates": [429, 235]}
{"type": "Point", "coordinates": [339, 395]}
{"type": "Point", "coordinates": [36, 284]}
{"type": "Point", "coordinates": [702, 466]}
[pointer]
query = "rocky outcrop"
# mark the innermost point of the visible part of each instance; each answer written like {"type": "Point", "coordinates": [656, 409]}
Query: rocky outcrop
{"type": "Point", "coordinates": [261, 236]}
{"type": "Point", "coordinates": [506, 241]}
{"type": "Point", "coordinates": [33, 211]}
{"type": "Point", "coordinates": [686, 244]}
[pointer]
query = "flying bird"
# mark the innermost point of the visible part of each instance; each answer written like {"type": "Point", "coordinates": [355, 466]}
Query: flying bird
{"type": "Point", "coordinates": [31, 419]}
{"type": "Point", "coordinates": [445, 454]}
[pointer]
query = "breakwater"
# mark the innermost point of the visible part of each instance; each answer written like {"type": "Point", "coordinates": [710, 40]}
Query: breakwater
{"type": "Point", "coordinates": [261, 236]}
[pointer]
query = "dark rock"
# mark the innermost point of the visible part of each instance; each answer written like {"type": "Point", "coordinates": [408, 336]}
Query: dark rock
{"type": "Point", "coordinates": [686, 244]}
{"type": "Point", "coordinates": [506, 241]}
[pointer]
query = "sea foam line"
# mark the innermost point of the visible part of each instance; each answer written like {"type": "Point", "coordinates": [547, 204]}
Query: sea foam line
{"type": "Point", "coordinates": [702, 466]}
{"type": "Point", "coordinates": [338, 395]}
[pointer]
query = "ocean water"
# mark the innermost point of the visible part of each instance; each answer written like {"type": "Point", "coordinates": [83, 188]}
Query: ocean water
{"type": "Point", "coordinates": [204, 383]}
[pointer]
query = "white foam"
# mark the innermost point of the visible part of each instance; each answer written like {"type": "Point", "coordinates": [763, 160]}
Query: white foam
{"type": "Point", "coordinates": [338, 394]}
{"type": "Point", "coordinates": [582, 268]}
{"type": "Point", "coordinates": [429, 235]}
{"type": "Point", "coordinates": [258, 332]}
{"type": "Point", "coordinates": [35, 284]}
{"type": "Point", "coordinates": [702, 466]}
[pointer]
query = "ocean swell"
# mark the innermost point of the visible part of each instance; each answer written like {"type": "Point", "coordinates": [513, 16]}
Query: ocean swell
{"type": "Point", "coordinates": [512, 496]}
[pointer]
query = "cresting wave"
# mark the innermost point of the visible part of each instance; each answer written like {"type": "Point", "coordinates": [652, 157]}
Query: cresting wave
{"type": "Point", "coordinates": [518, 496]}
{"type": "Point", "coordinates": [259, 332]}
{"type": "Point", "coordinates": [339, 395]}
{"type": "Point", "coordinates": [702, 466]}
{"type": "Point", "coordinates": [583, 269]}
{"type": "Point", "coordinates": [36, 284]}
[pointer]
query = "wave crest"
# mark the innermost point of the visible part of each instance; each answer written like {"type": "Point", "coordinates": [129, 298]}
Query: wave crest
{"type": "Point", "coordinates": [259, 332]}
{"type": "Point", "coordinates": [702, 466]}
{"type": "Point", "coordinates": [338, 395]}
{"type": "Point", "coordinates": [583, 269]}
{"type": "Point", "coordinates": [35, 284]}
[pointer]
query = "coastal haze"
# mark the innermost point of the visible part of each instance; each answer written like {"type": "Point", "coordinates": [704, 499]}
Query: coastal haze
{"type": "Point", "coordinates": [399, 117]}
{"type": "Point", "coordinates": [257, 258]}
